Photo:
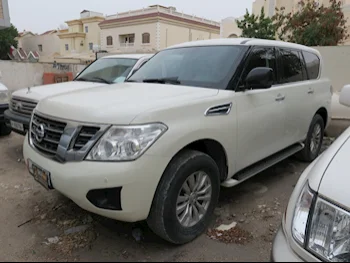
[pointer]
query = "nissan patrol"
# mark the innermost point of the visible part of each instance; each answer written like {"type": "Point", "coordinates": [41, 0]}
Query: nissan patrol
{"type": "Point", "coordinates": [106, 70]}
{"type": "Point", "coordinates": [196, 116]}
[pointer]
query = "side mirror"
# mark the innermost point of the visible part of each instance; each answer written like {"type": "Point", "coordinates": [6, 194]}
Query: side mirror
{"type": "Point", "coordinates": [344, 97]}
{"type": "Point", "coordinates": [259, 78]}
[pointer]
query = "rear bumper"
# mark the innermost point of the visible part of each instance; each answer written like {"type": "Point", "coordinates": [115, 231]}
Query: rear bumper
{"type": "Point", "coordinates": [3, 108]}
{"type": "Point", "coordinates": [10, 116]}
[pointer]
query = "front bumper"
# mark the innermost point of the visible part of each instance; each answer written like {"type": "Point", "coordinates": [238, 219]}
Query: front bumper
{"type": "Point", "coordinates": [138, 181]}
{"type": "Point", "coordinates": [3, 108]}
{"type": "Point", "coordinates": [282, 251]}
{"type": "Point", "coordinates": [10, 116]}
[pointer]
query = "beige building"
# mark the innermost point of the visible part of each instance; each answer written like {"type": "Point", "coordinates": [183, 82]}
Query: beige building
{"type": "Point", "coordinates": [4, 14]}
{"type": "Point", "coordinates": [152, 29]}
{"type": "Point", "coordinates": [46, 44]}
{"type": "Point", "coordinates": [82, 34]}
{"type": "Point", "coordinates": [229, 28]}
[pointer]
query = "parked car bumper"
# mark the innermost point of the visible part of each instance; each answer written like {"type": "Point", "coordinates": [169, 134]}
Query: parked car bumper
{"type": "Point", "coordinates": [282, 251]}
{"type": "Point", "coordinates": [3, 108]}
{"type": "Point", "coordinates": [20, 119]}
{"type": "Point", "coordinates": [131, 184]}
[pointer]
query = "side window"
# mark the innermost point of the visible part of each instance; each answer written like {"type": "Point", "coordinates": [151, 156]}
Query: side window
{"type": "Point", "coordinates": [260, 57]}
{"type": "Point", "coordinates": [292, 66]}
{"type": "Point", "coordinates": [312, 64]}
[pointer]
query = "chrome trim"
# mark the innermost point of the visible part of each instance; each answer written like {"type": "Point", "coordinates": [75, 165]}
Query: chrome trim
{"type": "Point", "coordinates": [65, 151]}
{"type": "Point", "coordinates": [218, 110]}
{"type": "Point", "coordinates": [26, 106]}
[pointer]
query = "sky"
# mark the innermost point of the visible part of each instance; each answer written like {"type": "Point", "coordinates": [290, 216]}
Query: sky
{"type": "Point", "coordinates": [39, 16]}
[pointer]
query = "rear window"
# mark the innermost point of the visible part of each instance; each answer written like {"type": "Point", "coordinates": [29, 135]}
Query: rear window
{"type": "Point", "coordinates": [312, 64]}
{"type": "Point", "coordinates": [292, 66]}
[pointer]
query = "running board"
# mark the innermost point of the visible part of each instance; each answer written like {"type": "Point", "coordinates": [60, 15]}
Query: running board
{"type": "Point", "coordinates": [258, 167]}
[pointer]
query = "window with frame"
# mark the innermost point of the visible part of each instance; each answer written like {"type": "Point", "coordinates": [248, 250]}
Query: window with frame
{"type": "Point", "coordinates": [146, 38]}
{"type": "Point", "coordinates": [86, 29]}
{"type": "Point", "coordinates": [40, 47]}
{"type": "Point", "coordinates": [312, 62]}
{"type": "Point", "coordinates": [67, 47]}
{"type": "Point", "coordinates": [260, 57]}
{"type": "Point", "coordinates": [109, 41]}
{"type": "Point", "coordinates": [91, 46]}
{"type": "Point", "coordinates": [292, 68]}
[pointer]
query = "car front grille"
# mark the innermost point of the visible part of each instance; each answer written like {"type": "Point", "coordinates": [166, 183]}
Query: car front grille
{"type": "Point", "coordinates": [46, 134]}
{"type": "Point", "coordinates": [49, 140]}
{"type": "Point", "coordinates": [21, 106]}
{"type": "Point", "coordinates": [85, 135]}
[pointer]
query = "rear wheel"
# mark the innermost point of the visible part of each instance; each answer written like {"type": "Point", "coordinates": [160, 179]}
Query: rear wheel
{"type": "Point", "coordinates": [4, 130]}
{"type": "Point", "coordinates": [314, 140]}
{"type": "Point", "coordinates": [186, 198]}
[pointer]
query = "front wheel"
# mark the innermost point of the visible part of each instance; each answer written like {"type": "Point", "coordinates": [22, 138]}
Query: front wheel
{"type": "Point", "coordinates": [314, 140]}
{"type": "Point", "coordinates": [186, 197]}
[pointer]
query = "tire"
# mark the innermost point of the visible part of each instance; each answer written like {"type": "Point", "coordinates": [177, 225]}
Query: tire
{"type": "Point", "coordinates": [4, 130]}
{"type": "Point", "coordinates": [310, 153]}
{"type": "Point", "coordinates": [163, 218]}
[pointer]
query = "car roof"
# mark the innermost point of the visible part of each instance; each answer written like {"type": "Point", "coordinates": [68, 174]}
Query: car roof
{"type": "Point", "coordinates": [244, 42]}
{"type": "Point", "coordinates": [131, 56]}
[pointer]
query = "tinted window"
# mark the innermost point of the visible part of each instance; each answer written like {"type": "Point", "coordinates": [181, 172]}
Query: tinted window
{"type": "Point", "coordinates": [204, 66]}
{"type": "Point", "coordinates": [261, 57]}
{"type": "Point", "coordinates": [312, 64]}
{"type": "Point", "coordinates": [292, 66]}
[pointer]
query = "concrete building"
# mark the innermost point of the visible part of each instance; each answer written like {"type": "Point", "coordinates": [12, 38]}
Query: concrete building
{"type": "Point", "coordinates": [153, 28]}
{"type": "Point", "coordinates": [46, 44]}
{"type": "Point", "coordinates": [82, 34]}
{"type": "Point", "coordinates": [4, 14]}
{"type": "Point", "coordinates": [229, 28]}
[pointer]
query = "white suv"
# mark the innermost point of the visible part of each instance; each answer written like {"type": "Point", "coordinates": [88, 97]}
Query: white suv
{"type": "Point", "coordinates": [106, 70]}
{"type": "Point", "coordinates": [194, 117]}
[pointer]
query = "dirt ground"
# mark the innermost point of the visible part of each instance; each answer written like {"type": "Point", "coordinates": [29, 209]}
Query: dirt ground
{"type": "Point", "coordinates": [37, 225]}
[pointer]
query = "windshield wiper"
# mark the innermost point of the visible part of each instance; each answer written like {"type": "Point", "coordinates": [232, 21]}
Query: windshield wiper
{"type": "Point", "coordinates": [103, 80]}
{"type": "Point", "coordinates": [163, 80]}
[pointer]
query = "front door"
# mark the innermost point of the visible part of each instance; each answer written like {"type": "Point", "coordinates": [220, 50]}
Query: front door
{"type": "Point", "coordinates": [260, 113]}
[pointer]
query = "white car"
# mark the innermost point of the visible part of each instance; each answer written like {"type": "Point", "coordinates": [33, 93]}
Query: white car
{"type": "Point", "coordinates": [196, 116]}
{"type": "Point", "coordinates": [316, 226]}
{"type": "Point", "coordinates": [106, 70]}
{"type": "Point", "coordinates": [4, 104]}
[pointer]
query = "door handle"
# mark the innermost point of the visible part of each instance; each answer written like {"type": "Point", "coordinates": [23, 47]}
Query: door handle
{"type": "Point", "coordinates": [280, 97]}
{"type": "Point", "coordinates": [311, 91]}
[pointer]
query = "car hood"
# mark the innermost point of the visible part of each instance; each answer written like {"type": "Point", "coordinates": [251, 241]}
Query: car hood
{"type": "Point", "coordinates": [336, 179]}
{"type": "Point", "coordinates": [40, 92]}
{"type": "Point", "coordinates": [111, 105]}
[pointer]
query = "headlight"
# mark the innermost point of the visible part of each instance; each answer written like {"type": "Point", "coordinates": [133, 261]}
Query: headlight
{"type": "Point", "coordinates": [126, 143]}
{"type": "Point", "coordinates": [330, 232]}
{"type": "Point", "coordinates": [301, 214]}
{"type": "Point", "coordinates": [4, 97]}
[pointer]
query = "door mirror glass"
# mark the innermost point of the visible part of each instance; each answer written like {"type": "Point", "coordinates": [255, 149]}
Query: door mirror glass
{"type": "Point", "coordinates": [259, 78]}
{"type": "Point", "coordinates": [344, 97]}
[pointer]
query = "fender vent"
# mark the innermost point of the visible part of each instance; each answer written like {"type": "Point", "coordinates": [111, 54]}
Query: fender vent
{"type": "Point", "coordinates": [223, 109]}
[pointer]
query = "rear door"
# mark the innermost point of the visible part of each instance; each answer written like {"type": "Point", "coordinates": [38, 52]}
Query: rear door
{"type": "Point", "coordinates": [294, 79]}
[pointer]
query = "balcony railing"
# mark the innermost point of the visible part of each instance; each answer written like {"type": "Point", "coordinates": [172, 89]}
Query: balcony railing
{"type": "Point", "coordinates": [127, 44]}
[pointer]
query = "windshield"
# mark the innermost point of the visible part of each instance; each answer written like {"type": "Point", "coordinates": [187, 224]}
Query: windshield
{"type": "Point", "coordinates": [207, 66]}
{"type": "Point", "coordinates": [108, 70]}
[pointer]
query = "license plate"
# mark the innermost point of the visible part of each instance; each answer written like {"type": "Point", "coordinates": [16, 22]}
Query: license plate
{"type": "Point", "coordinates": [17, 126]}
{"type": "Point", "coordinates": [40, 175]}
